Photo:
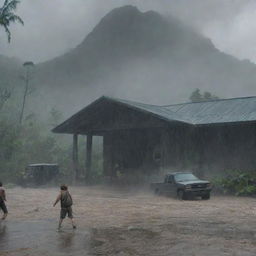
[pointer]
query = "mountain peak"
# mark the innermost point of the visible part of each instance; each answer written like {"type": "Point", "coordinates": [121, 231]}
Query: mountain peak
{"type": "Point", "coordinates": [125, 10]}
{"type": "Point", "coordinates": [125, 17]}
{"type": "Point", "coordinates": [127, 29]}
{"type": "Point", "coordinates": [130, 10]}
{"type": "Point", "coordinates": [144, 51]}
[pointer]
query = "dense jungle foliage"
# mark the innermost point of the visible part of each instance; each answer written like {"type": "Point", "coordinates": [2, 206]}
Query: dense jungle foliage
{"type": "Point", "coordinates": [238, 183]}
{"type": "Point", "coordinates": [31, 141]}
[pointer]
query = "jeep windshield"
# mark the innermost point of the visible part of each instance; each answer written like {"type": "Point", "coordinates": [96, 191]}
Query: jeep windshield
{"type": "Point", "coordinates": [184, 177]}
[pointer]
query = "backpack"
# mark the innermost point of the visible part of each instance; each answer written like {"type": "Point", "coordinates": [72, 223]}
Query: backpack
{"type": "Point", "coordinates": [66, 200]}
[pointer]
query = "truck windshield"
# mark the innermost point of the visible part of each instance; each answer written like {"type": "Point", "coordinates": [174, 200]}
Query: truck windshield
{"type": "Point", "coordinates": [185, 177]}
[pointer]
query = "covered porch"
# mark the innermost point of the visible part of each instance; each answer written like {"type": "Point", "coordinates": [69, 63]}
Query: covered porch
{"type": "Point", "coordinates": [133, 137]}
{"type": "Point", "coordinates": [211, 136]}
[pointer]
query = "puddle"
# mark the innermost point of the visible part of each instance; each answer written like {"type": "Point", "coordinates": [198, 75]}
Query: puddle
{"type": "Point", "coordinates": [34, 237]}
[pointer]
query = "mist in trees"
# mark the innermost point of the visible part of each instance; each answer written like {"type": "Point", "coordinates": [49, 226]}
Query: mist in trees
{"type": "Point", "coordinates": [5, 94]}
{"type": "Point", "coordinates": [198, 96]}
{"type": "Point", "coordinates": [28, 89]}
{"type": "Point", "coordinates": [29, 142]}
{"type": "Point", "coordinates": [25, 137]}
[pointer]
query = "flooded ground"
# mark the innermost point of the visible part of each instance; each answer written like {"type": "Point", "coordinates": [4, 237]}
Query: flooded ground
{"type": "Point", "coordinates": [39, 238]}
{"type": "Point", "coordinates": [127, 222]}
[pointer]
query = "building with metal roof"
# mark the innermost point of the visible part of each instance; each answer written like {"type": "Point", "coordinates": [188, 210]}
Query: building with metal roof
{"type": "Point", "coordinates": [216, 133]}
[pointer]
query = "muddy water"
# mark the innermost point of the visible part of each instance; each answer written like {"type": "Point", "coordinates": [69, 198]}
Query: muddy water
{"type": "Point", "coordinates": [117, 222]}
{"type": "Point", "coordinates": [41, 238]}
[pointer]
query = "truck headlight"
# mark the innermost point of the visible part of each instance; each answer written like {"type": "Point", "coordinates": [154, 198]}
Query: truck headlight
{"type": "Point", "coordinates": [209, 185]}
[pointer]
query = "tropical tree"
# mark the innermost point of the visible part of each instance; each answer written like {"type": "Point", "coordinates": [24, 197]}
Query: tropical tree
{"type": "Point", "coordinates": [27, 90]}
{"type": "Point", "coordinates": [5, 94]}
{"type": "Point", "coordinates": [197, 96]}
{"type": "Point", "coordinates": [7, 16]}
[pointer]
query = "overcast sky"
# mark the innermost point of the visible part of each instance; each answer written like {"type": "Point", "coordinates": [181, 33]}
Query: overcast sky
{"type": "Point", "coordinates": [54, 26]}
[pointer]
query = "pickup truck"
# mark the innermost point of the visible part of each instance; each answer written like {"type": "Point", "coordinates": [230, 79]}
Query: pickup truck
{"type": "Point", "coordinates": [183, 185]}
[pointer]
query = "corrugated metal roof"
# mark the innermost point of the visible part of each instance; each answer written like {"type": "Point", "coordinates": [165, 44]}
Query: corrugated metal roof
{"type": "Point", "coordinates": [206, 112]}
{"type": "Point", "coordinates": [162, 112]}
{"type": "Point", "coordinates": [217, 111]}
{"type": "Point", "coordinates": [194, 113]}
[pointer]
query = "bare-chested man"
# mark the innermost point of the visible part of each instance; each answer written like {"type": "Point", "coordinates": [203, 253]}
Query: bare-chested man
{"type": "Point", "coordinates": [2, 201]}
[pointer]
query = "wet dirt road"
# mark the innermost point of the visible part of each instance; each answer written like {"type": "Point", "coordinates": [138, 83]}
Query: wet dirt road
{"type": "Point", "coordinates": [39, 238]}
{"type": "Point", "coordinates": [127, 222]}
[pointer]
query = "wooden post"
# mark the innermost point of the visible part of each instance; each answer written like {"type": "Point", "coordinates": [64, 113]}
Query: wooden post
{"type": "Point", "coordinates": [88, 157]}
{"type": "Point", "coordinates": [107, 155]}
{"type": "Point", "coordinates": [75, 157]}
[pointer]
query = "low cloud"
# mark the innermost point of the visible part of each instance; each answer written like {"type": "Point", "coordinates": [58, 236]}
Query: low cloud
{"type": "Point", "coordinates": [53, 27]}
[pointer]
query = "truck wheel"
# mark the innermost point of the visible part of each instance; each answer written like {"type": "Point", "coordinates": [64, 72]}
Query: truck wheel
{"type": "Point", "coordinates": [206, 197]}
{"type": "Point", "coordinates": [181, 194]}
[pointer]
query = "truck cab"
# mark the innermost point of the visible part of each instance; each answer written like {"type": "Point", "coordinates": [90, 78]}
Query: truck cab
{"type": "Point", "coordinates": [183, 185]}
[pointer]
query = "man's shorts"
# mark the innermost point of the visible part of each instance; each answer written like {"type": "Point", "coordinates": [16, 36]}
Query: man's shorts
{"type": "Point", "coordinates": [66, 211]}
{"type": "Point", "coordinates": [3, 206]}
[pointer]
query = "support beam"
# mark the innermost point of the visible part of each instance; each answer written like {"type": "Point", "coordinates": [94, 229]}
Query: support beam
{"type": "Point", "coordinates": [88, 163]}
{"type": "Point", "coordinates": [107, 154]}
{"type": "Point", "coordinates": [75, 158]}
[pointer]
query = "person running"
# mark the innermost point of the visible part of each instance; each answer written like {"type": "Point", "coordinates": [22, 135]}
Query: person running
{"type": "Point", "coordinates": [66, 203]}
{"type": "Point", "coordinates": [2, 201]}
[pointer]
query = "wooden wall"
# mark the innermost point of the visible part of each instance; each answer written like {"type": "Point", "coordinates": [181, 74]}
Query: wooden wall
{"type": "Point", "coordinates": [204, 149]}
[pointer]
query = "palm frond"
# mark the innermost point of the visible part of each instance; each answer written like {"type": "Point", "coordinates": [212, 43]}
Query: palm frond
{"type": "Point", "coordinates": [15, 18]}
{"type": "Point", "coordinates": [4, 22]}
{"type": "Point", "coordinates": [7, 16]}
{"type": "Point", "coordinates": [10, 6]}
{"type": "Point", "coordinates": [8, 32]}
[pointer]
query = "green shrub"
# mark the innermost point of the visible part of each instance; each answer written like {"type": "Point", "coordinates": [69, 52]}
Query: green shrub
{"type": "Point", "coordinates": [237, 182]}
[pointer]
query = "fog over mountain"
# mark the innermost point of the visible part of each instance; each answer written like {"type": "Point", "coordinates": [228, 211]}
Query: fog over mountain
{"type": "Point", "coordinates": [142, 56]}
{"type": "Point", "coordinates": [54, 27]}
